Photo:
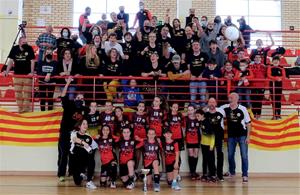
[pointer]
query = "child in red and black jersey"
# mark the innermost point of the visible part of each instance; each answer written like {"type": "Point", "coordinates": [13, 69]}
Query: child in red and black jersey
{"type": "Point", "coordinates": [151, 150]}
{"type": "Point", "coordinates": [127, 147]}
{"type": "Point", "coordinates": [108, 158]}
{"type": "Point", "coordinates": [139, 126]}
{"type": "Point", "coordinates": [121, 121]}
{"type": "Point", "coordinates": [157, 117]}
{"type": "Point", "coordinates": [172, 159]}
{"type": "Point", "coordinates": [192, 137]}
{"type": "Point", "coordinates": [175, 122]}
{"type": "Point", "coordinates": [108, 116]}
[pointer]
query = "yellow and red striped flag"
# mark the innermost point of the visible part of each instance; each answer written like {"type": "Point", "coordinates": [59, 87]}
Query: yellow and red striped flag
{"type": "Point", "coordinates": [42, 129]}
{"type": "Point", "coordinates": [30, 129]}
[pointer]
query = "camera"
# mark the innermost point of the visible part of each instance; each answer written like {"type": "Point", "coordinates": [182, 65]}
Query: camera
{"type": "Point", "coordinates": [23, 25]}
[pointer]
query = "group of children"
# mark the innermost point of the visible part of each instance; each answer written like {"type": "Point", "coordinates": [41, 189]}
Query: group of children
{"type": "Point", "coordinates": [156, 135]}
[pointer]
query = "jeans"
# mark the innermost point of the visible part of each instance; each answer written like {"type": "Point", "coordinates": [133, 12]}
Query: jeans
{"type": "Point", "coordinates": [244, 94]}
{"type": "Point", "coordinates": [232, 142]}
{"type": "Point", "coordinates": [41, 53]}
{"type": "Point", "coordinates": [198, 87]}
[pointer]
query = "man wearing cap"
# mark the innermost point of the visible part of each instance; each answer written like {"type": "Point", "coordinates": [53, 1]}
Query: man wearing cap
{"type": "Point", "coordinates": [176, 72]}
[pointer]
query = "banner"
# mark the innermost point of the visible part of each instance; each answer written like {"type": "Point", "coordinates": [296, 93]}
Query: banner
{"type": "Point", "coordinates": [42, 129]}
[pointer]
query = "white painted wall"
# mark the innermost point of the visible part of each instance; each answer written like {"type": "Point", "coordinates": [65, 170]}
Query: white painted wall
{"type": "Point", "coordinates": [45, 159]}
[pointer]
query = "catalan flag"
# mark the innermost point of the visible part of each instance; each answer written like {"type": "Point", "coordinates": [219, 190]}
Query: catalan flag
{"type": "Point", "coordinates": [30, 129]}
{"type": "Point", "coordinates": [42, 129]}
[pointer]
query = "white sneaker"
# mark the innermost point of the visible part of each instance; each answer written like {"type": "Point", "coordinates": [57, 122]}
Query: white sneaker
{"type": "Point", "coordinates": [156, 187]}
{"type": "Point", "coordinates": [90, 185]}
{"type": "Point", "coordinates": [130, 186]}
{"type": "Point", "coordinates": [84, 177]}
{"type": "Point", "coordinates": [113, 185]}
{"type": "Point", "coordinates": [175, 186]}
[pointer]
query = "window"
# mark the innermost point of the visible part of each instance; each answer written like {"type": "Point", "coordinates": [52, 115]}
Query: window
{"type": "Point", "coordinates": [104, 6]}
{"type": "Point", "coordinates": [259, 14]}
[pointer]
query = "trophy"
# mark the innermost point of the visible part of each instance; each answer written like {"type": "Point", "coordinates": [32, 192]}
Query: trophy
{"type": "Point", "coordinates": [145, 173]}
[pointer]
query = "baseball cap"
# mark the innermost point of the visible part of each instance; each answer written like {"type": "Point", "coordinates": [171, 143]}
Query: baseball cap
{"type": "Point", "coordinates": [176, 58]}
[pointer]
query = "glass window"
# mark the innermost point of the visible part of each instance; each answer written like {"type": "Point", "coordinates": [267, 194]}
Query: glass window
{"type": "Point", "coordinates": [104, 6]}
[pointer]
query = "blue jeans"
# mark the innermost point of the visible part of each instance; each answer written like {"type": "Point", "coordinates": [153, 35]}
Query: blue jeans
{"type": "Point", "coordinates": [70, 92]}
{"type": "Point", "coordinates": [232, 142]}
{"type": "Point", "coordinates": [244, 94]}
{"type": "Point", "coordinates": [41, 53]}
{"type": "Point", "coordinates": [198, 87]}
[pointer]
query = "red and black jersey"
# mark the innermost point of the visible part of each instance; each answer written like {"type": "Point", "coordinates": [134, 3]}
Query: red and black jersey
{"type": "Point", "coordinates": [151, 152]}
{"type": "Point", "coordinates": [139, 124]}
{"type": "Point", "coordinates": [108, 119]}
{"type": "Point", "coordinates": [121, 124]}
{"type": "Point", "coordinates": [127, 151]}
{"type": "Point", "coordinates": [192, 132]}
{"type": "Point", "coordinates": [156, 120]}
{"type": "Point", "coordinates": [106, 149]}
{"type": "Point", "coordinates": [175, 123]}
{"type": "Point", "coordinates": [170, 150]}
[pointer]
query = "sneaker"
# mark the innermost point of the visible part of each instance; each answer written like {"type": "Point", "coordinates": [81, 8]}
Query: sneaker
{"type": "Point", "coordinates": [212, 179]}
{"type": "Point", "coordinates": [204, 178]}
{"type": "Point", "coordinates": [245, 179]}
{"type": "Point", "coordinates": [175, 186]}
{"type": "Point", "coordinates": [156, 187]}
{"type": "Point", "coordinates": [113, 185]}
{"type": "Point", "coordinates": [163, 176]}
{"type": "Point", "coordinates": [83, 176]}
{"type": "Point", "coordinates": [135, 177]}
{"type": "Point", "coordinates": [221, 179]}
{"type": "Point", "coordinates": [193, 176]}
{"type": "Point", "coordinates": [90, 185]}
{"type": "Point", "coordinates": [178, 178]}
{"type": "Point", "coordinates": [130, 186]}
{"type": "Point", "coordinates": [62, 179]}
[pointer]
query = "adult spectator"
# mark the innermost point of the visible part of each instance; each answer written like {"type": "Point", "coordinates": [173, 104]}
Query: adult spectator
{"type": "Point", "coordinates": [208, 35]}
{"type": "Point", "coordinates": [64, 42]}
{"type": "Point", "coordinates": [212, 72]}
{"type": "Point", "coordinates": [238, 128]}
{"type": "Point", "coordinates": [103, 23]}
{"type": "Point", "coordinates": [73, 111]}
{"type": "Point", "coordinates": [222, 41]}
{"type": "Point", "coordinates": [217, 24]}
{"type": "Point", "coordinates": [22, 56]}
{"type": "Point", "coordinates": [228, 21]}
{"type": "Point", "coordinates": [216, 53]}
{"type": "Point", "coordinates": [45, 40]}
{"type": "Point", "coordinates": [196, 63]}
{"type": "Point", "coordinates": [47, 68]}
{"type": "Point", "coordinates": [84, 19]}
{"type": "Point", "coordinates": [142, 15]}
{"type": "Point", "coordinates": [123, 16]}
{"type": "Point", "coordinates": [117, 26]}
{"type": "Point", "coordinates": [262, 51]}
{"type": "Point", "coordinates": [151, 48]}
{"type": "Point", "coordinates": [67, 66]}
{"type": "Point", "coordinates": [190, 37]}
{"type": "Point", "coordinates": [177, 33]}
{"type": "Point", "coordinates": [90, 33]}
{"type": "Point", "coordinates": [215, 117]}
{"type": "Point", "coordinates": [129, 50]}
{"type": "Point", "coordinates": [177, 71]}
{"type": "Point", "coordinates": [203, 22]}
{"type": "Point", "coordinates": [77, 46]}
{"type": "Point", "coordinates": [112, 43]}
{"type": "Point", "coordinates": [189, 18]}
{"type": "Point", "coordinates": [245, 28]}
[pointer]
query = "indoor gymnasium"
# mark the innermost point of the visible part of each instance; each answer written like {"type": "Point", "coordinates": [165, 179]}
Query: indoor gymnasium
{"type": "Point", "coordinates": [150, 97]}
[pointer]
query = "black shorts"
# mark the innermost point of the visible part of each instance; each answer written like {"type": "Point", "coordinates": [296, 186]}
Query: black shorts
{"type": "Point", "coordinates": [151, 167]}
{"type": "Point", "coordinates": [192, 145]}
{"type": "Point", "coordinates": [170, 167]}
{"type": "Point", "coordinates": [180, 144]}
{"type": "Point", "coordinates": [105, 168]}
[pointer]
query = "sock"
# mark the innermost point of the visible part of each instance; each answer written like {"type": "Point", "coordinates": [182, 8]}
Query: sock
{"type": "Point", "coordinates": [190, 161]}
{"type": "Point", "coordinates": [195, 163]}
{"type": "Point", "coordinates": [113, 174]}
{"type": "Point", "coordinates": [103, 183]}
{"type": "Point", "coordinates": [156, 178]}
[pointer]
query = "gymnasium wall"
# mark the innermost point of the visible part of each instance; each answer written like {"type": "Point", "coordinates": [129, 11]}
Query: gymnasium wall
{"type": "Point", "coordinates": [44, 159]}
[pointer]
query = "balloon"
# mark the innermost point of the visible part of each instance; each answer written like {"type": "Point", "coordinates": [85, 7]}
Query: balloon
{"type": "Point", "coordinates": [232, 33]}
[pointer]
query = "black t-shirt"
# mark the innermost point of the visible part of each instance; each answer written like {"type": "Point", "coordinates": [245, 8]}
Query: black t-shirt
{"type": "Point", "coordinates": [45, 68]}
{"type": "Point", "coordinates": [216, 121]}
{"type": "Point", "coordinates": [142, 16]}
{"type": "Point", "coordinates": [110, 68]}
{"type": "Point", "coordinates": [187, 44]}
{"type": "Point", "coordinates": [63, 43]}
{"type": "Point", "coordinates": [71, 115]}
{"type": "Point", "coordinates": [197, 63]}
{"type": "Point", "coordinates": [74, 70]}
{"type": "Point", "coordinates": [93, 119]}
{"type": "Point", "coordinates": [22, 59]}
{"type": "Point", "coordinates": [178, 40]}
{"type": "Point", "coordinates": [118, 30]}
{"type": "Point", "coordinates": [91, 69]}
{"type": "Point", "coordinates": [182, 68]}
{"type": "Point", "coordinates": [237, 120]}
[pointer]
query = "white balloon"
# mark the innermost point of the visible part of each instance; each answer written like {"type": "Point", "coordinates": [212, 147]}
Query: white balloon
{"type": "Point", "coordinates": [232, 33]}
